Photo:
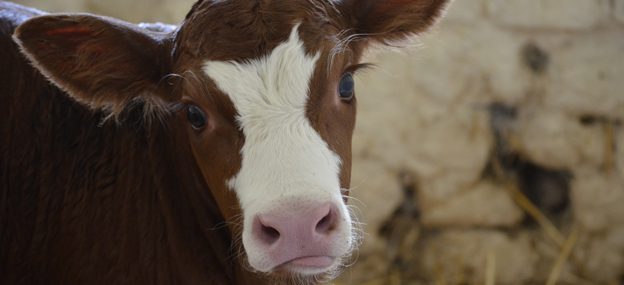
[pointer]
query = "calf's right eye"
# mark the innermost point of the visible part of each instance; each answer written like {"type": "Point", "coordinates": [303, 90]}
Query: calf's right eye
{"type": "Point", "coordinates": [196, 117]}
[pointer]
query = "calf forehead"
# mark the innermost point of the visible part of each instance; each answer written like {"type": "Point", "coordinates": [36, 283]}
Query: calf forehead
{"type": "Point", "coordinates": [271, 88]}
{"type": "Point", "coordinates": [241, 30]}
{"type": "Point", "coordinates": [270, 94]}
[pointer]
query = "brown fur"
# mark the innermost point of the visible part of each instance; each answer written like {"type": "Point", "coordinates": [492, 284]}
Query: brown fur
{"type": "Point", "coordinates": [83, 55]}
{"type": "Point", "coordinates": [85, 201]}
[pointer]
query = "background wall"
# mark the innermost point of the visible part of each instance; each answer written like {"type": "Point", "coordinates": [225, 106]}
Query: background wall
{"type": "Point", "coordinates": [493, 153]}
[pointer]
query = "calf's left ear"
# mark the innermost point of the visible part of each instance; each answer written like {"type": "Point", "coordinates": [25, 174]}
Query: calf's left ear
{"type": "Point", "coordinates": [386, 21]}
{"type": "Point", "coordinates": [100, 62]}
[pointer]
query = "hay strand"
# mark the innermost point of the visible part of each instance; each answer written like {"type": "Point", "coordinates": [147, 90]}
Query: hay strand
{"type": "Point", "coordinates": [490, 269]}
{"type": "Point", "coordinates": [563, 257]}
{"type": "Point", "coordinates": [609, 155]}
{"type": "Point", "coordinates": [549, 228]}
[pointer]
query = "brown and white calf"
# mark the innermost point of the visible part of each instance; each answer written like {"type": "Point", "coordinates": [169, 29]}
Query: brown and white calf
{"type": "Point", "coordinates": [140, 154]}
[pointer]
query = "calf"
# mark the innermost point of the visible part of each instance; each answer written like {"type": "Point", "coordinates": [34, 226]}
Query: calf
{"type": "Point", "coordinates": [216, 152]}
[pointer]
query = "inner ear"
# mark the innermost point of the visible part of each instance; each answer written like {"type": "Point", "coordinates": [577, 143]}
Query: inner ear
{"type": "Point", "coordinates": [102, 63]}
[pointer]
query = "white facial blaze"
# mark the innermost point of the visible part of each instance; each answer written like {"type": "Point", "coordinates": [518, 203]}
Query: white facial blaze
{"type": "Point", "coordinates": [283, 156]}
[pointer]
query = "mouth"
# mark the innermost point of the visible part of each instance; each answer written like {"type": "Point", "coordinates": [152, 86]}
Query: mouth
{"type": "Point", "coordinates": [307, 265]}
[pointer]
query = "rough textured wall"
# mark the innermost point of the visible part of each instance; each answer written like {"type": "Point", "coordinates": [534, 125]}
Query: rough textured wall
{"type": "Point", "coordinates": [493, 152]}
{"type": "Point", "coordinates": [167, 11]}
{"type": "Point", "coordinates": [508, 101]}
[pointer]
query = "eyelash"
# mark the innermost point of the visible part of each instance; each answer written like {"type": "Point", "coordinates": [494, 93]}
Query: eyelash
{"type": "Point", "coordinates": [359, 68]}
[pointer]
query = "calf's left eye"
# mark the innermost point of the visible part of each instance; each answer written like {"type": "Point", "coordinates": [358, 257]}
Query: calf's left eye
{"type": "Point", "coordinates": [346, 87]}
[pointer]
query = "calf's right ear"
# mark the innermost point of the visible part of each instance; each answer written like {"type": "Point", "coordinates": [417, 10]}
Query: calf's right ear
{"type": "Point", "coordinates": [100, 62]}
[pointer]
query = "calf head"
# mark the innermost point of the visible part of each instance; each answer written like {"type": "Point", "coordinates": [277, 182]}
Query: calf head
{"type": "Point", "coordinates": [265, 93]}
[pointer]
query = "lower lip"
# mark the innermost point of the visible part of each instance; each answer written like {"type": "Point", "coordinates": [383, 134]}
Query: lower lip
{"type": "Point", "coordinates": [312, 262]}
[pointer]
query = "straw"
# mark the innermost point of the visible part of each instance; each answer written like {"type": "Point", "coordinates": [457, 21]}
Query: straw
{"type": "Point", "coordinates": [490, 268]}
{"type": "Point", "coordinates": [563, 258]}
{"type": "Point", "coordinates": [551, 231]}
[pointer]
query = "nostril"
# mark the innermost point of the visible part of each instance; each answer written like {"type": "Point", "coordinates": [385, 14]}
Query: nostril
{"type": "Point", "coordinates": [270, 234]}
{"type": "Point", "coordinates": [265, 233]}
{"type": "Point", "coordinates": [308, 223]}
{"type": "Point", "coordinates": [327, 223]}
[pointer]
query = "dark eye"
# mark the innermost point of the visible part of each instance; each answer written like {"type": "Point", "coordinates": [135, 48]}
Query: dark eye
{"type": "Point", "coordinates": [346, 87]}
{"type": "Point", "coordinates": [196, 116]}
